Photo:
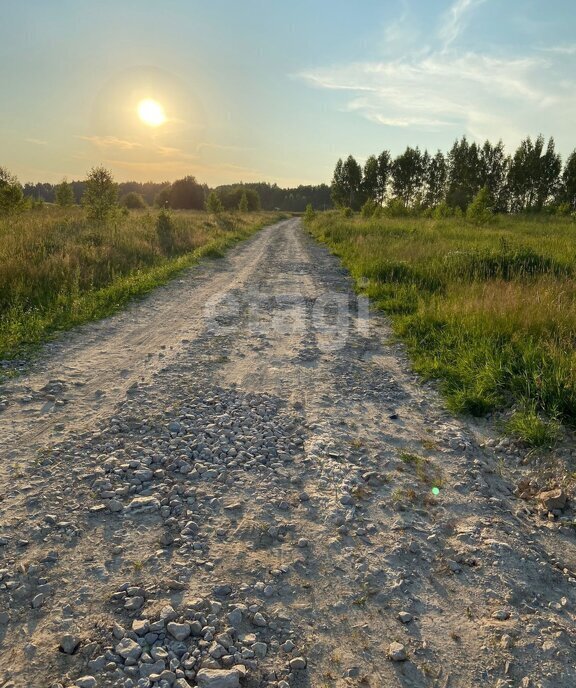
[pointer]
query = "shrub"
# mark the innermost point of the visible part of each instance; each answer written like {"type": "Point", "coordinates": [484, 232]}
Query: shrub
{"type": "Point", "coordinates": [133, 200]}
{"type": "Point", "coordinates": [101, 194]}
{"type": "Point", "coordinates": [165, 232]}
{"type": "Point", "coordinates": [186, 193]}
{"type": "Point", "coordinates": [397, 208]}
{"type": "Point", "coordinates": [243, 205]}
{"type": "Point", "coordinates": [442, 211]}
{"type": "Point", "coordinates": [162, 199]}
{"type": "Point", "coordinates": [64, 194]}
{"type": "Point", "coordinates": [368, 209]}
{"type": "Point", "coordinates": [11, 195]}
{"type": "Point", "coordinates": [480, 211]}
{"type": "Point", "coordinates": [347, 212]}
{"type": "Point", "coordinates": [309, 215]}
{"type": "Point", "coordinates": [231, 197]}
{"type": "Point", "coordinates": [213, 203]}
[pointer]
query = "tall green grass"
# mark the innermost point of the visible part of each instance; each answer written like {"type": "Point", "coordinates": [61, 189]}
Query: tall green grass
{"type": "Point", "coordinates": [490, 311]}
{"type": "Point", "coordinates": [58, 269]}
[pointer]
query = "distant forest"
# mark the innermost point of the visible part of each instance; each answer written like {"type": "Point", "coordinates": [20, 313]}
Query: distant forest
{"type": "Point", "coordinates": [261, 194]}
{"type": "Point", "coordinates": [533, 179]}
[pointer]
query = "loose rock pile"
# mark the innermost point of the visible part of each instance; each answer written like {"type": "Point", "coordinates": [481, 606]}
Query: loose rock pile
{"type": "Point", "coordinates": [209, 643]}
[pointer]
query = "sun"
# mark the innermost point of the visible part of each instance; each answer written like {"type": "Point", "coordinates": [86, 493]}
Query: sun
{"type": "Point", "coordinates": [151, 112]}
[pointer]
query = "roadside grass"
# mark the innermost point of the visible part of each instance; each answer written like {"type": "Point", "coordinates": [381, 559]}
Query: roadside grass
{"type": "Point", "coordinates": [58, 269]}
{"type": "Point", "coordinates": [490, 310]}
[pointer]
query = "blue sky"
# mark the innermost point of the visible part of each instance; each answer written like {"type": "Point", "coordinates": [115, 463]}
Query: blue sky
{"type": "Point", "coordinates": [275, 90]}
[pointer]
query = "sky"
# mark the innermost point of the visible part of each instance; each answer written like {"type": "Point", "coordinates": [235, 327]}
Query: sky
{"type": "Point", "coordinates": [274, 90]}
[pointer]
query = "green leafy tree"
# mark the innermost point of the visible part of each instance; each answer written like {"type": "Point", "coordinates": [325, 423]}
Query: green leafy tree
{"type": "Point", "coordinates": [464, 174]}
{"type": "Point", "coordinates": [243, 205]}
{"type": "Point", "coordinates": [11, 194]}
{"type": "Point", "coordinates": [534, 174]}
{"type": "Point", "coordinates": [370, 179]}
{"type": "Point", "coordinates": [133, 200]}
{"type": "Point", "coordinates": [337, 189]}
{"type": "Point", "coordinates": [64, 194]}
{"type": "Point", "coordinates": [347, 188]}
{"type": "Point", "coordinates": [408, 172]}
{"type": "Point", "coordinates": [100, 194]}
{"type": "Point", "coordinates": [231, 197]}
{"type": "Point", "coordinates": [384, 171]}
{"type": "Point", "coordinates": [165, 232]}
{"type": "Point", "coordinates": [309, 214]}
{"type": "Point", "coordinates": [550, 169]}
{"type": "Point", "coordinates": [213, 203]}
{"type": "Point", "coordinates": [162, 198]}
{"type": "Point", "coordinates": [480, 210]}
{"type": "Point", "coordinates": [569, 181]}
{"type": "Point", "coordinates": [493, 172]}
{"type": "Point", "coordinates": [369, 208]}
{"type": "Point", "coordinates": [435, 177]}
{"type": "Point", "coordinates": [186, 194]}
{"type": "Point", "coordinates": [352, 177]}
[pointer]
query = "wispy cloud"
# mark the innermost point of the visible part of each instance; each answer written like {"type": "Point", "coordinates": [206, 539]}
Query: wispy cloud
{"type": "Point", "coordinates": [403, 31]}
{"type": "Point", "coordinates": [455, 20]}
{"type": "Point", "coordinates": [111, 142]}
{"type": "Point", "coordinates": [561, 49]}
{"type": "Point", "coordinates": [446, 89]}
{"type": "Point", "coordinates": [438, 90]}
{"type": "Point", "coordinates": [36, 142]}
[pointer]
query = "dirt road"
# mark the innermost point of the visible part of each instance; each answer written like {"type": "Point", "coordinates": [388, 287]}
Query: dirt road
{"type": "Point", "coordinates": [238, 481]}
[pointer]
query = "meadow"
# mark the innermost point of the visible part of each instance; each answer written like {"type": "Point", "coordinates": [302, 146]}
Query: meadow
{"type": "Point", "coordinates": [59, 269]}
{"type": "Point", "coordinates": [488, 310]}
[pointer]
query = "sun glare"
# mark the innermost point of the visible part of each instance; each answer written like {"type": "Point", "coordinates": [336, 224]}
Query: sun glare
{"type": "Point", "coordinates": [151, 112]}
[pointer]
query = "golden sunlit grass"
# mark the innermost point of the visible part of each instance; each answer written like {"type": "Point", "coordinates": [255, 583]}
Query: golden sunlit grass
{"type": "Point", "coordinates": [58, 269]}
{"type": "Point", "coordinates": [490, 310]}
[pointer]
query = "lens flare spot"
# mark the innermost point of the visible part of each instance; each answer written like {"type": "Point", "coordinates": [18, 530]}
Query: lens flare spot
{"type": "Point", "coordinates": [435, 491]}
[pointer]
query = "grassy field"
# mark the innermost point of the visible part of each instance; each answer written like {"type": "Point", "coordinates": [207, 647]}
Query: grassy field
{"type": "Point", "coordinates": [488, 310]}
{"type": "Point", "coordinates": [58, 269]}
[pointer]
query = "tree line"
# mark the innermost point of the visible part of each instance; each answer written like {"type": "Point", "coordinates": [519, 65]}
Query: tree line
{"type": "Point", "coordinates": [530, 180]}
{"type": "Point", "coordinates": [188, 193]}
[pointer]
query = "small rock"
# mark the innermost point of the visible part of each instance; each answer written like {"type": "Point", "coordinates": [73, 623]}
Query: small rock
{"type": "Point", "coordinates": [222, 590]}
{"type": "Point", "coordinates": [166, 538]}
{"type": "Point", "coordinates": [260, 650]}
{"type": "Point", "coordinates": [397, 652]}
{"type": "Point", "coordinates": [235, 617]}
{"type": "Point", "coordinates": [128, 649]}
{"type": "Point", "coordinates": [182, 683]}
{"type": "Point", "coordinates": [218, 678]}
{"type": "Point", "coordinates": [144, 504]}
{"type": "Point", "coordinates": [297, 664]}
{"type": "Point", "coordinates": [69, 644]}
{"type": "Point", "coordinates": [454, 566]}
{"type": "Point", "coordinates": [38, 601]}
{"type": "Point", "coordinates": [501, 615]}
{"type": "Point", "coordinates": [132, 604]}
{"type": "Point", "coordinates": [259, 620]}
{"type": "Point", "coordinates": [179, 631]}
{"type": "Point", "coordinates": [553, 499]}
{"type": "Point", "coordinates": [86, 682]}
{"type": "Point", "coordinates": [405, 617]}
